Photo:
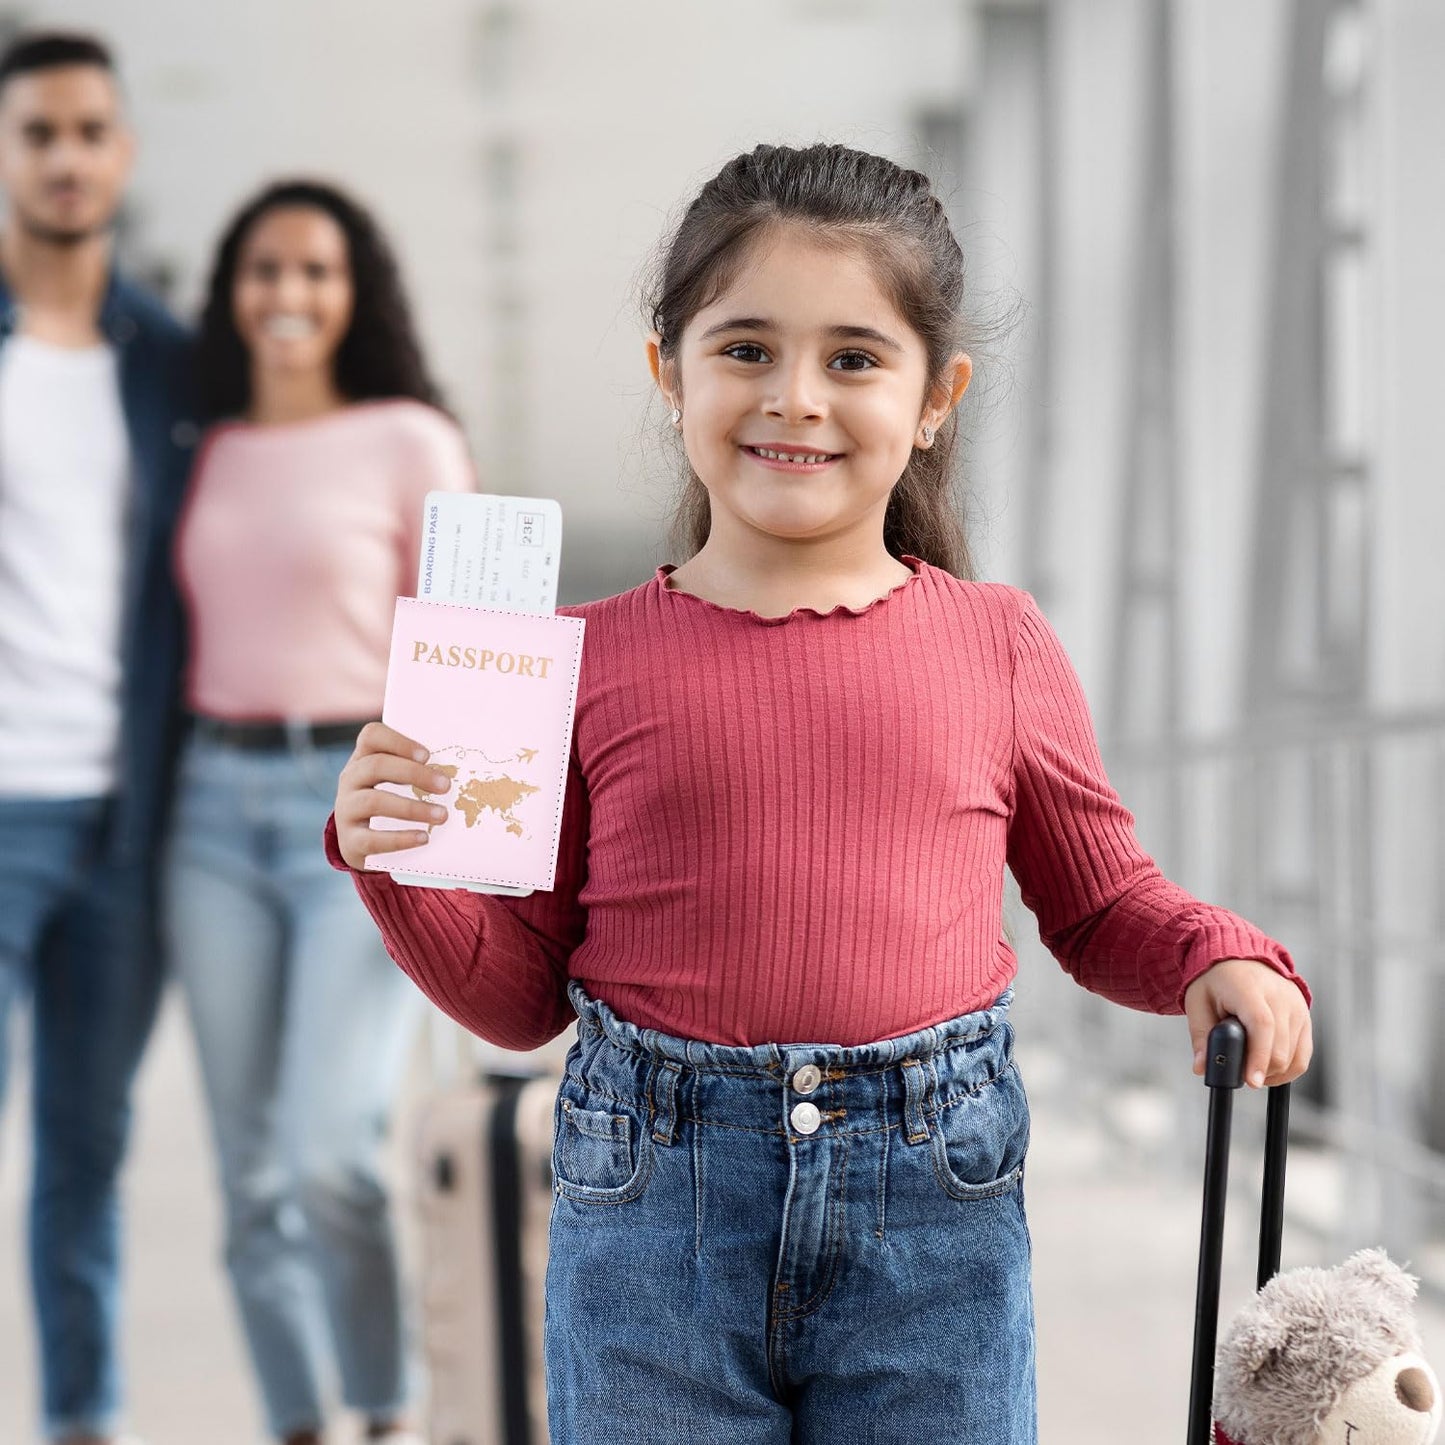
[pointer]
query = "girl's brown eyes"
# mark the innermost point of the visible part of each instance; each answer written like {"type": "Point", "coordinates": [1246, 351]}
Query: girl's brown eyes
{"type": "Point", "coordinates": [844, 361]}
{"type": "Point", "coordinates": [856, 356]}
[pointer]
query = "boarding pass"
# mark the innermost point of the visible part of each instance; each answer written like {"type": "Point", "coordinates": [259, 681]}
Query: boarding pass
{"type": "Point", "coordinates": [488, 551]}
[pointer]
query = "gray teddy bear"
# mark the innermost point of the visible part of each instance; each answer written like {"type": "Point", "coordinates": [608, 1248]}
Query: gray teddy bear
{"type": "Point", "coordinates": [1328, 1357]}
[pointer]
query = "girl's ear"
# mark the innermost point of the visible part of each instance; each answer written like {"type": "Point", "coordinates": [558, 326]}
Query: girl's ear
{"type": "Point", "coordinates": [945, 395]}
{"type": "Point", "coordinates": [664, 373]}
{"type": "Point", "coordinates": [957, 377]}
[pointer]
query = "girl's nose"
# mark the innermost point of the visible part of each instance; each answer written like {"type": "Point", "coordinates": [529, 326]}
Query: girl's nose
{"type": "Point", "coordinates": [795, 396]}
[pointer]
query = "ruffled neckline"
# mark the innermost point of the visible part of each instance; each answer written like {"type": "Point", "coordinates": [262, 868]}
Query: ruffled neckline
{"type": "Point", "coordinates": [914, 564]}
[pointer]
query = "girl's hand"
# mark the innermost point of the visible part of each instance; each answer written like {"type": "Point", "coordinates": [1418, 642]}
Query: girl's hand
{"type": "Point", "coordinates": [383, 755]}
{"type": "Point", "coordinates": [1273, 1011]}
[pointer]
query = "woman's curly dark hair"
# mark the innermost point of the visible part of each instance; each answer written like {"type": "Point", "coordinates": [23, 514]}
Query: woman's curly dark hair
{"type": "Point", "coordinates": [378, 357]}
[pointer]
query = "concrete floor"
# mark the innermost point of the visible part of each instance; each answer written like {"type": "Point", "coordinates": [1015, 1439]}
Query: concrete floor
{"type": "Point", "coordinates": [1114, 1269]}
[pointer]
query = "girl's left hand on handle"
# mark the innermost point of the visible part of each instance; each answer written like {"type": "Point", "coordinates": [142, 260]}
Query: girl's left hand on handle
{"type": "Point", "coordinates": [1272, 1009]}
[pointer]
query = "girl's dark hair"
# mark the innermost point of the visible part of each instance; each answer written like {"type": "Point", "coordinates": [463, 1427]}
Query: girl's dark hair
{"type": "Point", "coordinates": [851, 199]}
{"type": "Point", "coordinates": [378, 357]}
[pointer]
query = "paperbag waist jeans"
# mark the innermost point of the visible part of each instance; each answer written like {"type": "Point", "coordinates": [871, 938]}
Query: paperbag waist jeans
{"type": "Point", "coordinates": [790, 1244]}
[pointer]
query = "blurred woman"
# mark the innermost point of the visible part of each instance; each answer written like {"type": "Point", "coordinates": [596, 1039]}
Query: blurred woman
{"type": "Point", "coordinates": [303, 526]}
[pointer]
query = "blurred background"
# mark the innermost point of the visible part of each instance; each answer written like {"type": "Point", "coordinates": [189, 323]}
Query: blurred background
{"type": "Point", "coordinates": [1204, 241]}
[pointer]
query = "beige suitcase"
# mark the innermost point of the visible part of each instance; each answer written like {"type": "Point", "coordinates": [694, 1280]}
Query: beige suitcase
{"type": "Point", "coordinates": [484, 1194]}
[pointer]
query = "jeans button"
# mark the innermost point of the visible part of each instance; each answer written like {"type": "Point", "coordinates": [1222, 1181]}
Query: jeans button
{"type": "Point", "coordinates": [807, 1079]}
{"type": "Point", "coordinates": [806, 1118]}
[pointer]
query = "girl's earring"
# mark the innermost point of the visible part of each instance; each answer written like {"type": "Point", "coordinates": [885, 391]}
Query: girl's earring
{"type": "Point", "coordinates": [677, 417]}
{"type": "Point", "coordinates": [928, 436]}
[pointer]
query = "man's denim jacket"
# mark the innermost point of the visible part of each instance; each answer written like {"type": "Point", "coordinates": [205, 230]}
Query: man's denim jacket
{"type": "Point", "coordinates": [155, 369]}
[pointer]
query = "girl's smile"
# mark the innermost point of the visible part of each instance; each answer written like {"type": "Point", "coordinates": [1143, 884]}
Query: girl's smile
{"type": "Point", "coordinates": [784, 458]}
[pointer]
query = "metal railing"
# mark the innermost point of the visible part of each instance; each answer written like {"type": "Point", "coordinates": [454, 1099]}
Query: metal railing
{"type": "Point", "coordinates": [1331, 836]}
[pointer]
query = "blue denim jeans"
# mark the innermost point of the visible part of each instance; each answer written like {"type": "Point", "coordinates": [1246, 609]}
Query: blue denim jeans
{"type": "Point", "coordinates": [75, 936]}
{"type": "Point", "coordinates": [794, 1244]}
{"type": "Point", "coordinates": [302, 1028]}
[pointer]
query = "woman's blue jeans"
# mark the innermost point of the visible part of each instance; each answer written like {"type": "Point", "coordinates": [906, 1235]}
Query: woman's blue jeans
{"type": "Point", "coordinates": [795, 1244]}
{"type": "Point", "coordinates": [302, 1027]}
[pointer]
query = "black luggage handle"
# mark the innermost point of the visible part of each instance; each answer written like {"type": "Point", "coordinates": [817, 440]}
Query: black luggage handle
{"type": "Point", "coordinates": [1223, 1074]}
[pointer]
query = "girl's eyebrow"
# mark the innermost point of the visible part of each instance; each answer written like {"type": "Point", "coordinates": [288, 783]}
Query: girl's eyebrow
{"type": "Point", "coordinates": [865, 333]}
{"type": "Point", "coordinates": [737, 323]}
{"type": "Point", "coordinates": [839, 333]}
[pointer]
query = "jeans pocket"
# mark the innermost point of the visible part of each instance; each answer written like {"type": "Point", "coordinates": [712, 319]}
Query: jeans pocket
{"type": "Point", "coordinates": [980, 1139]}
{"type": "Point", "coordinates": [599, 1156]}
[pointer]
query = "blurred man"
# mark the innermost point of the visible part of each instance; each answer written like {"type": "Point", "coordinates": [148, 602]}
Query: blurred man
{"type": "Point", "coordinates": [94, 450]}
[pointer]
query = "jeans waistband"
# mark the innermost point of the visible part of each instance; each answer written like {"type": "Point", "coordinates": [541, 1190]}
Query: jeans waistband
{"type": "Point", "coordinates": [749, 1058]}
{"type": "Point", "coordinates": [904, 1080]}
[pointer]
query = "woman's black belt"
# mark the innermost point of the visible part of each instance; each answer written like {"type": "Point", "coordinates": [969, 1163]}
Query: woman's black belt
{"type": "Point", "coordinates": [273, 736]}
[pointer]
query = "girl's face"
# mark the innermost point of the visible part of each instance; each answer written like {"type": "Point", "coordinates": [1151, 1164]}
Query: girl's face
{"type": "Point", "coordinates": [292, 296]}
{"type": "Point", "coordinates": [802, 392]}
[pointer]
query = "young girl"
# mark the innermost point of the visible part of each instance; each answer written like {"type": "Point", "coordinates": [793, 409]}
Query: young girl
{"type": "Point", "coordinates": [304, 523]}
{"type": "Point", "coordinates": [790, 1138]}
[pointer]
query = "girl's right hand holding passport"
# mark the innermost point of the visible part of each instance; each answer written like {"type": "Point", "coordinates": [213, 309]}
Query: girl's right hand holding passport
{"type": "Point", "coordinates": [383, 755]}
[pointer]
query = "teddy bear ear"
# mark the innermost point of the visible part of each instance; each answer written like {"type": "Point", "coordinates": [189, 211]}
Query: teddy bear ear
{"type": "Point", "coordinates": [1258, 1343]}
{"type": "Point", "coordinates": [1374, 1267]}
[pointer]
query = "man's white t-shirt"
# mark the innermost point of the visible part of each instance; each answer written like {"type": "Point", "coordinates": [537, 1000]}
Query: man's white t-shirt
{"type": "Point", "coordinates": [64, 499]}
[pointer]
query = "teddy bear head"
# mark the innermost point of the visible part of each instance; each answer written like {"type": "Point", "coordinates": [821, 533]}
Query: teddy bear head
{"type": "Point", "coordinates": [1328, 1357]}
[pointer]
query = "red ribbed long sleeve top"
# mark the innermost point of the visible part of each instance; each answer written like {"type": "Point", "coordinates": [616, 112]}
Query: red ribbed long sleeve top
{"type": "Point", "coordinates": [795, 830]}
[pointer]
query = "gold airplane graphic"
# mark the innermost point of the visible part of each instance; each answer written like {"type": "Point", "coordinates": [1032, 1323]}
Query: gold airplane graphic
{"type": "Point", "coordinates": [525, 755]}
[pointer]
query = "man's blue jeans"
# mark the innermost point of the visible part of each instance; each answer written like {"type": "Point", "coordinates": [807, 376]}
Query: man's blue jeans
{"type": "Point", "coordinates": [75, 937]}
{"type": "Point", "coordinates": [794, 1244]}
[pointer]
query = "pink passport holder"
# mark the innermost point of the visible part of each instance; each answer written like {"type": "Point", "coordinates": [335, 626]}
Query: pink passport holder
{"type": "Point", "coordinates": [492, 695]}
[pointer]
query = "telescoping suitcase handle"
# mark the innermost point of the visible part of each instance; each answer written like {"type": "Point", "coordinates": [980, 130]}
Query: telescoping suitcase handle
{"type": "Point", "coordinates": [1223, 1074]}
